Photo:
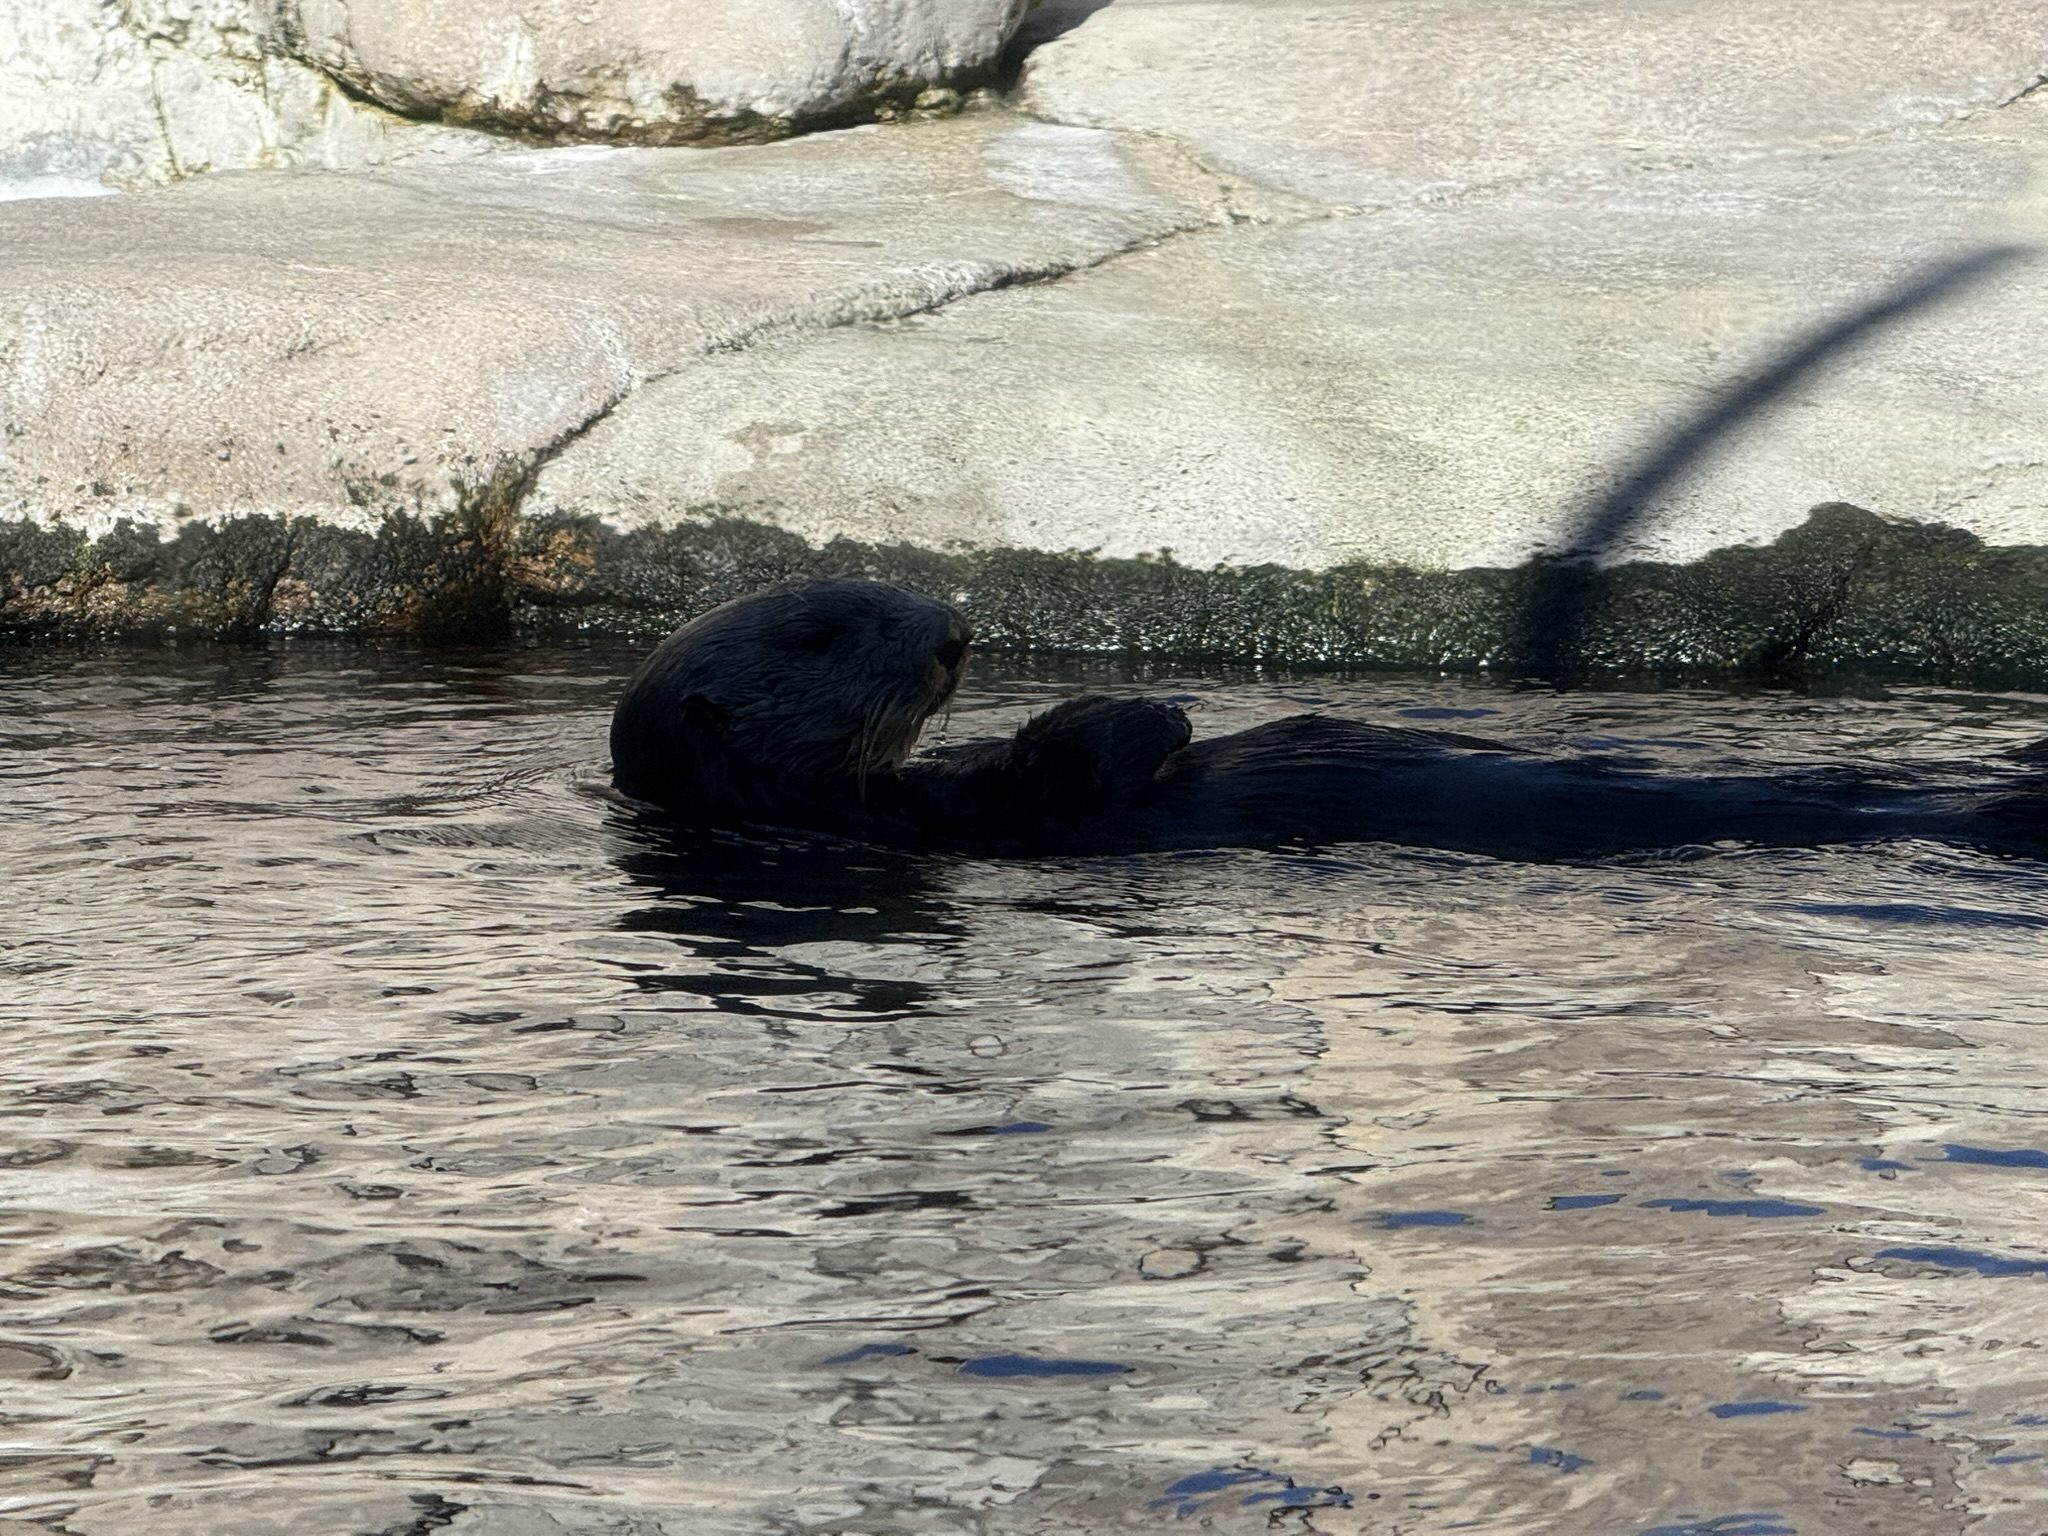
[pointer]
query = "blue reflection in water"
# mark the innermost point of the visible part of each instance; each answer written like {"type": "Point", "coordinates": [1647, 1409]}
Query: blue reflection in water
{"type": "Point", "coordinates": [1884, 1165]}
{"type": "Point", "coordinates": [1033, 1365]}
{"type": "Point", "coordinates": [1886, 1434]}
{"type": "Point", "coordinates": [1992, 1157]}
{"type": "Point", "coordinates": [1213, 1481]}
{"type": "Point", "coordinates": [1727, 1525]}
{"type": "Point", "coordinates": [1008, 1128]}
{"type": "Point", "coordinates": [1642, 1395]}
{"type": "Point", "coordinates": [1550, 1456]}
{"type": "Point", "coordinates": [871, 1352]}
{"type": "Point", "coordinates": [1967, 1258]}
{"type": "Point", "coordinates": [1754, 1409]}
{"type": "Point", "coordinates": [1580, 1202]}
{"type": "Point", "coordinates": [1759, 1209]}
{"type": "Point", "coordinates": [1423, 1218]}
{"type": "Point", "coordinates": [1918, 915]}
{"type": "Point", "coordinates": [2014, 1459]}
{"type": "Point", "coordinates": [1196, 1492]}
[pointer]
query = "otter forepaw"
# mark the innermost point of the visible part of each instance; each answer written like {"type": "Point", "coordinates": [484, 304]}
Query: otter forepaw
{"type": "Point", "coordinates": [1094, 753]}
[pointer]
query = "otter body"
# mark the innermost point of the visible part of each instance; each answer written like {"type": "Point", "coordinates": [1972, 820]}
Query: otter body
{"type": "Point", "coordinates": [799, 707]}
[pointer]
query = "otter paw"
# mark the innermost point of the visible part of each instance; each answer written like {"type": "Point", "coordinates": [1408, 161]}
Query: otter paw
{"type": "Point", "coordinates": [1094, 753]}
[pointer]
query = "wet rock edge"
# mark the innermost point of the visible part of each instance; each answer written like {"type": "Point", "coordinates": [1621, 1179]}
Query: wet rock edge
{"type": "Point", "coordinates": [1846, 591]}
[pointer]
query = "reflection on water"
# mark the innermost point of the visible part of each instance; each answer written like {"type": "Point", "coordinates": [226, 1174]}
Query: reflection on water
{"type": "Point", "coordinates": [396, 1140]}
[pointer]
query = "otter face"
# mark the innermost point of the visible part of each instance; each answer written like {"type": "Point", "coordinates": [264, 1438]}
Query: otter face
{"type": "Point", "coordinates": [816, 678]}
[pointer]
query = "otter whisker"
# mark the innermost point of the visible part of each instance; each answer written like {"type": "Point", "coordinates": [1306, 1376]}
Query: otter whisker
{"type": "Point", "coordinates": [867, 743]}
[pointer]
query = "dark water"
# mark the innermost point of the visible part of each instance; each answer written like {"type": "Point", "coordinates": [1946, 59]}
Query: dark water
{"type": "Point", "coordinates": [395, 1140]}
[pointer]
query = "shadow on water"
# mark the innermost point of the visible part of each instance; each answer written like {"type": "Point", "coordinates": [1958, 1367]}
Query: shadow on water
{"type": "Point", "coordinates": [732, 902]}
{"type": "Point", "coordinates": [735, 885]}
{"type": "Point", "coordinates": [1554, 611]}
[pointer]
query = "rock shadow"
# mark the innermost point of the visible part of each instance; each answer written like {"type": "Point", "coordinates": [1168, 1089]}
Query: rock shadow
{"type": "Point", "coordinates": [1557, 602]}
{"type": "Point", "coordinates": [1054, 18]}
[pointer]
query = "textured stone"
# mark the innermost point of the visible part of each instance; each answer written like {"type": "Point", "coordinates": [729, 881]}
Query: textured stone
{"type": "Point", "coordinates": [1370, 102]}
{"type": "Point", "coordinates": [97, 95]}
{"type": "Point", "coordinates": [420, 340]}
{"type": "Point", "coordinates": [648, 71]}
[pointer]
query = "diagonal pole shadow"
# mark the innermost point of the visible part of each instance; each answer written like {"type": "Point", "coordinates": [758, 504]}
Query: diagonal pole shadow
{"type": "Point", "coordinates": [1553, 614]}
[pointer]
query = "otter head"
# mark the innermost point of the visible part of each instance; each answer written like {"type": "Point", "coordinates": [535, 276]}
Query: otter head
{"type": "Point", "coordinates": [816, 680]}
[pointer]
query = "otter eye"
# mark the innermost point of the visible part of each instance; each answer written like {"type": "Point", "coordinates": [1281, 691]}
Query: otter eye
{"type": "Point", "coordinates": [950, 652]}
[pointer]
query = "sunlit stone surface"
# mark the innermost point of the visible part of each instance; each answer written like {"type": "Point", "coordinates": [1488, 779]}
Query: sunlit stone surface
{"type": "Point", "coordinates": [416, 340]}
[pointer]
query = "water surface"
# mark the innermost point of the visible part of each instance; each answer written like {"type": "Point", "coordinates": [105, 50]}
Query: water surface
{"type": "Point", "coordinates": [396, 1138]}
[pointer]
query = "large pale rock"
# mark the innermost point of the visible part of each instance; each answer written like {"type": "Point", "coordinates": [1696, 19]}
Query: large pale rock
{"type": "Point", "coordinates": [97, 95]}
{"type": "Point", "coordinates": [647, 71]}
{"type": "Point", "coordinates": [1650, 205]}
{"type": "Point", "coordinates": [415, 340]}
{"type": "Point", "coordinates": [100, 95]}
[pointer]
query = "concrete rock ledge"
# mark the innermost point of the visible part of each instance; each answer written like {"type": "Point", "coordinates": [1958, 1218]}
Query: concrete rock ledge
{"type": "Point", "coordinates": [1845, 592]}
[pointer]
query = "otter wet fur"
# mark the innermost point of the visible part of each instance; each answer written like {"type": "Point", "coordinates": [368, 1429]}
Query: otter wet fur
{"type": "Point", "coordinates": [800, 707]}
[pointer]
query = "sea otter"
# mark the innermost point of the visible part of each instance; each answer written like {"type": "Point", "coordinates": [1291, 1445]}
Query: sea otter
{"type": "Point", "coordinates": [800, 707]}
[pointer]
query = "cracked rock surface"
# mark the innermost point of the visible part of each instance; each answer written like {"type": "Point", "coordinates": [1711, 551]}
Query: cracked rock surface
{"type": "Point", "coordinates": [400, 340]}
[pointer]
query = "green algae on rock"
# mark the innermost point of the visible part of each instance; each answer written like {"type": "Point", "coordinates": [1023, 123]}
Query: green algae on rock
{"type": "Point", "coordinates": [1846, 591]}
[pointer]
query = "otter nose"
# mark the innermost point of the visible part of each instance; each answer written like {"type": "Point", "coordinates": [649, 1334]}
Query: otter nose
{"type": "Point", "coordinates": [951, 651]}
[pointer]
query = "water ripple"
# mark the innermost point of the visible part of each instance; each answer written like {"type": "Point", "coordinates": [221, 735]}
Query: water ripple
{"type": "Point", "coordinates": [395, 1138]}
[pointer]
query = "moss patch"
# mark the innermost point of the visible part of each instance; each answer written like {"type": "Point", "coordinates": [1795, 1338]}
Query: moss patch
{"type": "Point", "coordinates": [1846, 591]}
